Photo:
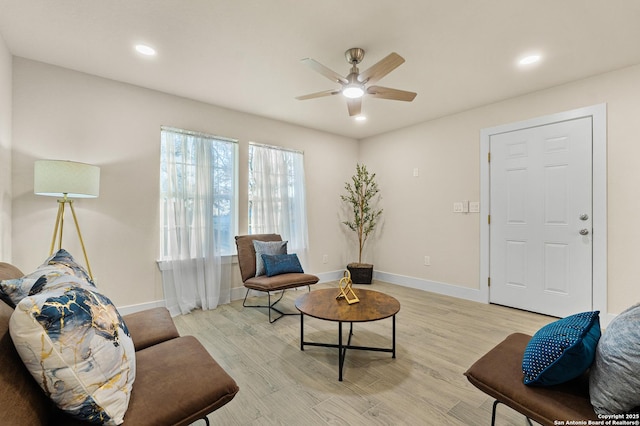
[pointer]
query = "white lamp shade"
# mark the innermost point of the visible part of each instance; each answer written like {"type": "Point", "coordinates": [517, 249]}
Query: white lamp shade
{"type": "Point", "coordinates": [57, 178]}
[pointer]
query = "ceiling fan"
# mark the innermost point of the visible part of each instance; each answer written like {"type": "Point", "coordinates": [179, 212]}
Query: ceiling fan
{"type": "Point", "coordinates": [357, 84]}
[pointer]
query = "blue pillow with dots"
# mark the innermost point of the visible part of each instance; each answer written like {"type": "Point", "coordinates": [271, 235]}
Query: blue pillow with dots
{"type": "Point", "coordinates": [562, 350]}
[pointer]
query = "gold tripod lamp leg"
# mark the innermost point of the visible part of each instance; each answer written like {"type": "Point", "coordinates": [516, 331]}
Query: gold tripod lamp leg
{"type": "Point", "coordinates": [84, 251]}
{"type": "Point", "coordinates": [57, 231]}
{"type": "Point", "coordinates": [58, 227]}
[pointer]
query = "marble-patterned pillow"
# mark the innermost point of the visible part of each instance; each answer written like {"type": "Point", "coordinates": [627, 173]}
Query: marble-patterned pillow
{"type": "Point", "coordinates": [77, 347]}
{"type": "Point", "coordinates": [267, 247]}
{"type": "Point", "coordinates": [58, 266]}
{"type": "Point", "coordinates": [63, 259]}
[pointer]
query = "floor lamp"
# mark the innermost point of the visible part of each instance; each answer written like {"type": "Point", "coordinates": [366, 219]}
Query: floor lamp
{"type": "Point", "coordinates": [66, 179]}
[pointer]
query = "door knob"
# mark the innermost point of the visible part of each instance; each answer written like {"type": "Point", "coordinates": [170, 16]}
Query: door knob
{"type": "Point", "coordinates": [584, 216]}
{"type": "Point", "coordinates": [584, 231]}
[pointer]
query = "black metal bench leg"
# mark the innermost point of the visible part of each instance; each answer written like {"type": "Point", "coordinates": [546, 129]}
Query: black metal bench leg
{"type": "Point", "coordinates": [271, 306]}
{"type": "Point", "coordinates": [493, 414]}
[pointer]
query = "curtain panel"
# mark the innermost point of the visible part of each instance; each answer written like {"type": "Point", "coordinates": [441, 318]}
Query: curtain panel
{"type": "Point", "coordinates": [193, 275]}
{"type": "Point", "coordinates": [277, 200]}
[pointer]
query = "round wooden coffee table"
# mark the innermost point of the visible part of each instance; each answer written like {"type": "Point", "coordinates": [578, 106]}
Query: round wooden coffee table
{"type": "Point", "coordinates": [373, 306]}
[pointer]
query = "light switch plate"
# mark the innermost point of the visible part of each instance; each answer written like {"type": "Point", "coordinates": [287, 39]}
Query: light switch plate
{"type": "Point", "coordinates": [474, 207]}
{"type": "Point", "coordinates": [457, 207]}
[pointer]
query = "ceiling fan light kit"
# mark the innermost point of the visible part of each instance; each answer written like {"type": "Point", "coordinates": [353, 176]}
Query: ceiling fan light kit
{"type": "Point", "coordinates": [353, 91]}
{"type": "Point", "coordinates": [356, 84]}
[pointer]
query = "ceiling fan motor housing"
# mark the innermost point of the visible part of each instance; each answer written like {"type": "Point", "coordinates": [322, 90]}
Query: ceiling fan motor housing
{"type": "Point", "coordinates": [354, 55]}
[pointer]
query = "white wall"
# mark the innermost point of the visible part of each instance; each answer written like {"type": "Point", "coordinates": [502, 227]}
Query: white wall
{"type": "Point", "coordinates": [6, 94]}
{"type": "Point", "coordinates": [63, 114]}
{"type": "Point", "coordinates": [418, 210]}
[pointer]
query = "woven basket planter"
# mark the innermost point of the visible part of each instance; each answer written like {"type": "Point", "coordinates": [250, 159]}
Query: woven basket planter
{"type": "Point", "coordinates": [361, 273]}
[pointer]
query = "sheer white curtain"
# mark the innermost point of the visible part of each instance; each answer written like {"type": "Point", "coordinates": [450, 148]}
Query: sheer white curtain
{"type": "Point", "coordinates": [193, 272]}
{"type": "Point", "coordinates": [277, 201]}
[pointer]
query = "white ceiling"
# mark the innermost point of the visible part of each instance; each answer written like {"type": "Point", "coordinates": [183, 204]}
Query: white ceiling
{"type": "Point", "coordinates": [245, 54]}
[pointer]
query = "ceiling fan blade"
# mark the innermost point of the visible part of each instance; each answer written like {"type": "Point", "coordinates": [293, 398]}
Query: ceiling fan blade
{"type": "Point", "coordinates": [393, 94]}
{"type": "Point", "coordinates": [318, 94]}
{"type": "Point", "coordinates": [329, 73]}
{"type": "Point", "coordinates": [381, 68]}
{"type": "Point", "coordinates": [355, 106]}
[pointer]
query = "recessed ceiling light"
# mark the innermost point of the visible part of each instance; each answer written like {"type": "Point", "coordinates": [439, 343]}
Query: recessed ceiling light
{"type": "Point", "coordinates": [361, 118]}
{"type": "Point", "coordinates": [145, 50]}
{"type": "Point", "coordinates": [530, 59]}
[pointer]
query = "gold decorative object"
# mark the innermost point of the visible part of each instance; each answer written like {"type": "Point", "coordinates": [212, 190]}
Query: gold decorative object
{"type": "Point", "coordinates": [346, 290]}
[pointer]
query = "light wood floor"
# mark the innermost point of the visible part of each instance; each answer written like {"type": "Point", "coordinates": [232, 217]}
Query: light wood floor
{"type": "Point", "coordinates": [438, 338]}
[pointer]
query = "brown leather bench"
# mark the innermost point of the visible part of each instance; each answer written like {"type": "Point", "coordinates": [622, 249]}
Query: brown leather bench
{"type": "Point", "coordinates": [499, 375]}
{"type": "Point", "coordinates": [177, 381]}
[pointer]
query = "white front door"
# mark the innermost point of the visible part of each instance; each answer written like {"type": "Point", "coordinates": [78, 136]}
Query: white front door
{"type": "Point", "coordinates": [540, 228]}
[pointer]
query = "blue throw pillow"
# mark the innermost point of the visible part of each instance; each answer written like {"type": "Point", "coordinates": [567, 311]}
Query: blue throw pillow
{"type": "Point", "coordinates": [562, 350]}
{"type": "Point", "coordinates": [276, 264]}
{"type": "Point", "coordinates": [267, 247]}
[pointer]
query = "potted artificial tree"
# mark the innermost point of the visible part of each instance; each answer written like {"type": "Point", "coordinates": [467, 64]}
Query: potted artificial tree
{"type": "Point", "coordinates": [362, 197]}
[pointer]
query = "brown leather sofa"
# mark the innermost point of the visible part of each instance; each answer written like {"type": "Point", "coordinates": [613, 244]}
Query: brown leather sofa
{"type": "Point", "coordinates": [177, 381]}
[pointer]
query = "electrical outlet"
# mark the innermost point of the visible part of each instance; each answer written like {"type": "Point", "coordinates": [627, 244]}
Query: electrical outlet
{"type": "Point", "coordinates": [325, 258]}
{"type": "Point", "coordinates": [457, 207]}
{"type": "Point", "coordinates": [427, 261]}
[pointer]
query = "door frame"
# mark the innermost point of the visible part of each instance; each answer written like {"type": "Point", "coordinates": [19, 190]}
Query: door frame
{"type": "Point", "coordinates": [598, 113]}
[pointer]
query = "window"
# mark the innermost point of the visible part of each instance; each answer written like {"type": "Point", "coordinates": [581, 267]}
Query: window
{"type": "Point", "coordinates": [197, 193]}
{"type": "Point", "coordinates": [277, 200]}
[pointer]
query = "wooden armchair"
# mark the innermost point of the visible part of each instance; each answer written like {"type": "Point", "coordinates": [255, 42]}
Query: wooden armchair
{"type": "Point", "coordinates": [263, 283]}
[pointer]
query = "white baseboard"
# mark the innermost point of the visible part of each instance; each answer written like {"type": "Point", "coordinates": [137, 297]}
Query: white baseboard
{"type": "Point", "coordinates": [466, 293]}
{"type": "Point", "coordinates": [474, 295]}
{"type": "Point", "coordinates": [326, 277]}
{"type": "Point", "coordinates": [432, 286]}
{"type": "Point", "coordinates": [238, 293]}
{"type": "Point", "coordinates": [130, 309]}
